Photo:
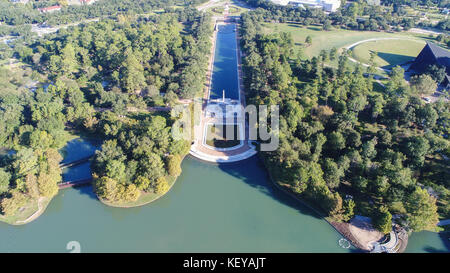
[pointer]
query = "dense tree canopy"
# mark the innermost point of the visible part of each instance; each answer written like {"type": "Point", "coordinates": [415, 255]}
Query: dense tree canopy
{"type": "Point", "coordinates": [18, 14]}
{"type": "Point", "coordinates": [99, 74]}
{"type": "Point", "coordinates": [357, 15]}
{"type": "Point", "coordinates": [339, 136]}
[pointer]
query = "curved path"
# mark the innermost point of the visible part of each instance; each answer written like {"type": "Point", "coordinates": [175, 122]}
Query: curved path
{"type": "Point", "coordinates": [36, 214]}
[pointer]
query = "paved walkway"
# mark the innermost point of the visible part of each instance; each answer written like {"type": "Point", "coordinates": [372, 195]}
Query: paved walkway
{"type": "Point", "coordinates": [35, 214]}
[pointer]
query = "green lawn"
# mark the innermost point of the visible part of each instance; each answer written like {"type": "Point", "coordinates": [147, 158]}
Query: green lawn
{"type": "Point", "coordinates": [216, 136]}
{"type": "Point", "coordinates": [234, 9]}
{"type": "Point", "coordinates": [389, 52]}
{"type": "Point", "coordinates": [326, 40]}
{"type": "Point", "coordinates": [25, 212]}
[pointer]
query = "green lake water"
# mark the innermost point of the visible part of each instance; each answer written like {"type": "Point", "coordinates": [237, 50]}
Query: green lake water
{"type": "Point", "coordinates": [225, 72]}
{"type": "Point", "coordinates": [211, 208]}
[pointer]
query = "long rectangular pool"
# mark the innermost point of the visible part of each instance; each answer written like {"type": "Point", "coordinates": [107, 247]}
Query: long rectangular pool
{"type": "Point", "coordinates": [225, 70]}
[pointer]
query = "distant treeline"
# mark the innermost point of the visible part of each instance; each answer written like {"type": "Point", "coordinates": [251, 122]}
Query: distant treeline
{"type": "Point", "coordinates": [415, 3]}
{"type": "Point", "coordinates": [18, 14]}
{"type": "Point", "coordinates": [349, 16]}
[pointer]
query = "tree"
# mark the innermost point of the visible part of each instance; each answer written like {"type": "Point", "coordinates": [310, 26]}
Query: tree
{"type": "Point", "coordinates": [25, 162]}
{"type": "Point", "coordinates": [416, 149]}
{"type": "Point", "coordinates": [32, 186]}
{"type": "Point", "coordinates": [132, 193]}
{"type": "Point", "coordinates": [368, 149]}
{"type": "Point", "coordinates": [427, 116]}
{"type": "Point", "coordinates": [142, 183]}
{"type": "Point", "coordinates": [327, 25]}
{"type": "Point", "coordinates": [421, 210]}
{"type": "Point", "coordinates": [332, 173]}
{"type": "Point", "coordinates": [161, 186]}
{"type": "Point", "coordinates": [11, 205]}
{"type": "Point", "coordinates": [152, 167]}
{"type": "Point", "coordinates": [308, 40]}
{"type": "Point", "coordinates": [382, 219]}
{"type": "Point", "coordinates": [294, 114]}
{"type": "Point", "coordinates": [436, 72]}
{"type": "Point", "coordinates": [115, 169]}
{"type": "Point", "coordinates": [5, 178]}
{"type": "Point", "coordinates": [336, 141]}
{"type": "Point", "coordinates": [333, 54]}
{"type": "Point", "coordinates": [133, 75]}
{"type": "Point", "coordinates": [109, 151]}
{"type": "Point", "coordinates": [173, 165]}
{"type": "Point", "coordinates": [171, 98]}
{"type": "Point", "coordinates": [49, 173]}
{"type": "Point", "coordinates": [349, 206]}
{"type": "Point", "coordinates": [151, 91]}
{"type": "Point", "coordinates": [40, 140]}
{"type": "Point", "coordinates": [47, 187]}
{"type": "Point", "coordinates": [423, 84]}
{"type": "Point", "coordinates": [397, 81]}
{"type": "Point", "coordinates": [69, 62]}
{"type": "Point", "coordinates": [324, 55]}
{"type": "Point", "coordinates": [377, 105]}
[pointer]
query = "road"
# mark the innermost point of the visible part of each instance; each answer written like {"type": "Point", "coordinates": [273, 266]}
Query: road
{"type": "Point", "coordinates": [425, 31]}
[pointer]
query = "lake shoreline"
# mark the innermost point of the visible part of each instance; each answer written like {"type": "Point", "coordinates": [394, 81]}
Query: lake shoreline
{"type": "Point", "coordinates": [137, 203]}
{"type": "Point", "coordinates": [42, 204]}
{"type": "Point", "coordinates": [341, 229]}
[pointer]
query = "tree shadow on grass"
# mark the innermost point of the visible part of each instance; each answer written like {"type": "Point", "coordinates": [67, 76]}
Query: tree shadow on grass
{"type": "Point", "coordinates": [295, 25]}
{"type": "Point", "coordinates": [394, 59]}
{"type": "Point", "coordinates": [252, 172]}
{"type": "Point", "coordinates": [315, 28]}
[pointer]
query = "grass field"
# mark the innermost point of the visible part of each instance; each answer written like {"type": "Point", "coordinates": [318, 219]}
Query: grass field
{"type": "Point", "coordinates": [26, 212]}
{"type": "Point", "coordinates": [216, 136]}
{"type": "Point", "coordinates": [326, 40]}
{"type": "Point", "coordinates": [234, 10]}
{"type": "Point", "coordinates": [389, 52]}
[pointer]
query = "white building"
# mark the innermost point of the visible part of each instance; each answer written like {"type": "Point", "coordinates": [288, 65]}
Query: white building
{"type": "Point", "coordinates": [20, 1]}
{"type": "Point", "coordinates": [326, 5]}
